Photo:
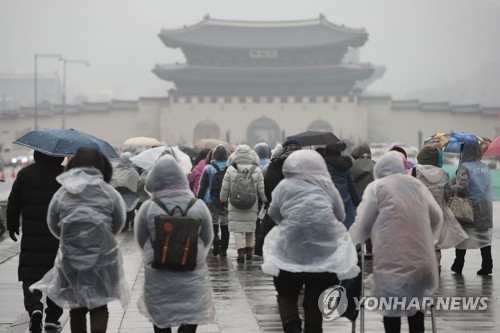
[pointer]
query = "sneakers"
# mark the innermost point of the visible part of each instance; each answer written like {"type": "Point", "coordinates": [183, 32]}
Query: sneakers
{"type": "Point", "coordinates": [35, 325]}
{"type": "Point", "coordinates": [52, 325]}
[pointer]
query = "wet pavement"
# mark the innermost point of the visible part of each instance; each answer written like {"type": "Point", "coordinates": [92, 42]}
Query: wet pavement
{"type": "Point", "coordinates": [245, 299]}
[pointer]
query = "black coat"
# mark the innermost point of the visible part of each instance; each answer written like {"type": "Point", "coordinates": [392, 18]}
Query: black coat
{"type": "Point", "coordinates": [30, 198]}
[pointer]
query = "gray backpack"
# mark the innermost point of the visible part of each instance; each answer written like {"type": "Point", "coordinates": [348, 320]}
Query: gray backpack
{"type": "Point", "coordinates": [243, 195]}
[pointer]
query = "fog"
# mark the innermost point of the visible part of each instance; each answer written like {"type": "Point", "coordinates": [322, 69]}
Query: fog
{"type": "Point", "coordinates": [433, 49]}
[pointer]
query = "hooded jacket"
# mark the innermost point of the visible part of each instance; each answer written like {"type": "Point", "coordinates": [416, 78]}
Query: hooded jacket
{"type": "Point", "coordinates": [474, 182]}
{"type": "Point", "coordinates": [339, 168]}
{"type": "Point", "coordinates": [401, 217]}
{"type": "Point", "coordinates": [274, 173]}
{"type": "Point", "coordinates": [242, 158]}
{"type": "Point", "coordinates": [220, 159]}
{"type": "Point", "coordinates": [308, 210]}
{"type": "Point", "coordinates": [171, 298]}
{"type": "Point", "coordinates": [85, 214]}
{"type": "Point", "coordinates": [29, 198]}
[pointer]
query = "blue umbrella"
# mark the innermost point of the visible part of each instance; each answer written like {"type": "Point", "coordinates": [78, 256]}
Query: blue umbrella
{"type": "Point", "coordinates": [64, 142]}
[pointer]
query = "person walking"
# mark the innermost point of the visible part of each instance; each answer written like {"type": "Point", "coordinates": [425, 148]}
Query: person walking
{"type": "Point", "coordinates": [264, 151]}
{"type": "Point", "coordinates": [85, 214]}
{"type": "Point", "coordinates": [30, 198]}
{"type": "Point", "coordinates": [473, 181]}
{"type": "Point", "coordinates": [362, 174]}
{"type": "Point", "coordinates": [242, 222]}
{"type": "Point", "coordinates": [339, 168]}
{"type": "Point", "coordinates": [435, 179]}
{"type": "Point", "coordinates": [402, 218]}
{"type": "Point", "coordinates": [310, 247]}
{"type": "Point", "coordinates": [198, 167]}
{"type": "Point", "coordinates": [125, 179]}
{"type": "Point", "coordinates": [211, 181]}
{"type": "Point", "coordinates": [173, 297]}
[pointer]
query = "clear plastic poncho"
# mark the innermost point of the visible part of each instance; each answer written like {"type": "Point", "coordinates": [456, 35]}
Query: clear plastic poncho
{"type": "Point", "coordinates": [172, 298]}
{"type": "Point", "coordinates": [308, 210]}
{"type": "Point", "coordinates": [401, 217]}
{"type": "Point", "coordinates": [85, 214]}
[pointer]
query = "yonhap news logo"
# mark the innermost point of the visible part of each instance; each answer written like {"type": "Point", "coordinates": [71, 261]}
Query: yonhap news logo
{"type": "Point", "coordinates": [333, 303]}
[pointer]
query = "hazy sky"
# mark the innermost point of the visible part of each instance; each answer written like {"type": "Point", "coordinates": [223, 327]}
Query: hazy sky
{"type": "Point", "coordinates": [431, 48]}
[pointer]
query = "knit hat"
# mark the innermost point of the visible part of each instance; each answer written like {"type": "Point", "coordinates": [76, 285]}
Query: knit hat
{"type": "Point", "coordinates": [361, 150]}
{"type": "Point", "coordinates": [428, 156]}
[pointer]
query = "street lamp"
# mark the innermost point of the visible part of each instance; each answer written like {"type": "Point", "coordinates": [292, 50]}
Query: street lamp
{"type": "Point", "coordinates": [68, 61]}
{"type": "Point", "coordinates": [58, 56]}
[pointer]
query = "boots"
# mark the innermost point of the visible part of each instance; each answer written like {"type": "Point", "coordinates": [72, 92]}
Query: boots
{"type": "Point", "coordinates": [487, 264]}
{"type": "Point", "coordinates": [248, 253]}
{"type": "Point", "coordinates": [458, 264]}
{"type": "Point", "coordinates": [241, 256]}
{"type": "Point", "coordinates": [224, 230]}
{"type": "Point", "coordinates": [289, 313]}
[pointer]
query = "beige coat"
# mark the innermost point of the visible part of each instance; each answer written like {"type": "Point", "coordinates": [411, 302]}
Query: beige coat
{"type": "Point", "coordinates": [244, 158]}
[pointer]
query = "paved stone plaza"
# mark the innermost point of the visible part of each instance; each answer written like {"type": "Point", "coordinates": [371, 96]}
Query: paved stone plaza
{"type": "Point", "coordinates": [245, 299]}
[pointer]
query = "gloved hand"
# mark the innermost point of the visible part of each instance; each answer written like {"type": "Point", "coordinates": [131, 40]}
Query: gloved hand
{"type": "Point", "coordinates": [13, 233]}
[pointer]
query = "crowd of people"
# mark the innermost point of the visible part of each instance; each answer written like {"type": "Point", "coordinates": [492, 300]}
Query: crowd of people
{"type": "Point", "coordinates": [305, 211]}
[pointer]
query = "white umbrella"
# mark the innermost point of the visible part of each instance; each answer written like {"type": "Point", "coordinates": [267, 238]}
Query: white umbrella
{"type": "Point", "coordinates": [148, 158]}
{"type": "Point", "coordinates": [142, 141]}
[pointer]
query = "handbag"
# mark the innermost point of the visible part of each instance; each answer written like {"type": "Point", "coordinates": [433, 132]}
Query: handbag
{"type": "Point", "coordinates": [452, 232]}
{"type": "Point", "coordinates": [462, 208]}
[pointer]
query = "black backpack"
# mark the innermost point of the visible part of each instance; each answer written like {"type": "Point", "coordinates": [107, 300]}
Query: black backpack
{"type": "Point", "coordinates": [176, 244]}
{"type": "Point", "coordinates": [216, 185]}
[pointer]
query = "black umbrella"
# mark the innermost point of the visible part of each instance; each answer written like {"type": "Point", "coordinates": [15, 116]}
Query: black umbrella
{"type": "Point", "coordinates": [312, 138]}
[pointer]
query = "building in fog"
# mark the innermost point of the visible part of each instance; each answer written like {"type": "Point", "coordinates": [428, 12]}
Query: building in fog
{"type": "Point", "coordinates": [247, 82]}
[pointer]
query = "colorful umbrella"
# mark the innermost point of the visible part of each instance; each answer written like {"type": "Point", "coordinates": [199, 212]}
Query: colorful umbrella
{"type": "Point", "coordinates": [451, 142]}
{"type": "Point", "coordinates": [64, 142]}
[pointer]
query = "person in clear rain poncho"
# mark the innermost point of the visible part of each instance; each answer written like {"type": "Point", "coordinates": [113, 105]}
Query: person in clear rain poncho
{"type": "Point", "coordinates": [402, 218]}
{"type": "Point", "coordinates": [310, 246]}
{"type": "Point", "coordinates": [473, 181]}
{"type": "Point", "coordinates": [172, 298]}
{"type": "Point", "coordinates": [85, 214]}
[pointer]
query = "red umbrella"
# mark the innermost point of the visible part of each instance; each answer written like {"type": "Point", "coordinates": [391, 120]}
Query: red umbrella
{"type": "Point", "coordinates": [493, 148]}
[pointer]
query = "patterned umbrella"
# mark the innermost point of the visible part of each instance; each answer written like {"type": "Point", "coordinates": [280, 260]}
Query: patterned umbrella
{"type": "Point", "coordinates": [64, 142]}
{"type": "Point", "coordinates": [451, 142]}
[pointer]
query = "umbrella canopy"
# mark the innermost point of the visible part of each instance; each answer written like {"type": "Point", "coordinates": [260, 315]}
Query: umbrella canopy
{"type": "Point", "coordinates": [142, 141]}
{"type": "Point", "coordinates": [64, 142]}
{"type": "Point", "coordinates": [212, 143]}
{"type": "Point", "coordinates": [451, 142]}
{"type": "Point", "coordinates": [148, 158]}
{"type": "Point", "coordinates": [312, 138]}
{"type": "Point", "coordinates": [493, 148]}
